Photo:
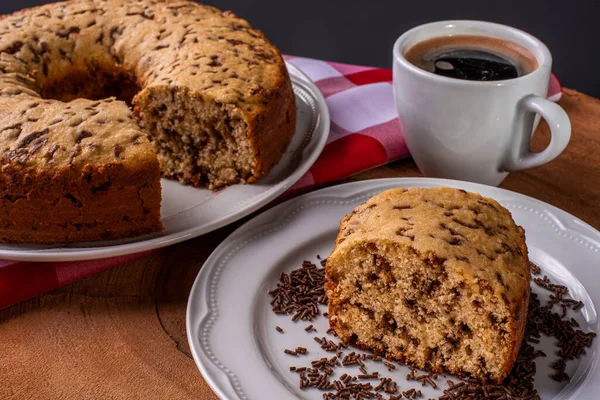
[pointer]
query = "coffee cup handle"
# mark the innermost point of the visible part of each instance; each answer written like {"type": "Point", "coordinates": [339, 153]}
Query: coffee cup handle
{"type": "Point", "coordinates": [520, 156]}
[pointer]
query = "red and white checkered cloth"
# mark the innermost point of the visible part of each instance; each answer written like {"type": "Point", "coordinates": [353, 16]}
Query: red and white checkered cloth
{"type": "Point", "coordinates": [365, 133]}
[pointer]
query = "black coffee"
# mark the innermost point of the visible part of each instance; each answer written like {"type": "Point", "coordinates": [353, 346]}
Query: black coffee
{"type": "Point", "coordinates": [473, 58]}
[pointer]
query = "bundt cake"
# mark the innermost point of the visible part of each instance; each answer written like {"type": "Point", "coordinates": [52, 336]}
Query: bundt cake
{"type": "Point", "coordinates": [436, 278]}
{"type": "Point", "coordinates": [99, 98]}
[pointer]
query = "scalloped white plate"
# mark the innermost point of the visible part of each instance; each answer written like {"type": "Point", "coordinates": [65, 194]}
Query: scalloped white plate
{"type": "Point", "coordinates": [188, 212]}
{"type": "Point", "coordinates": [230, 324]}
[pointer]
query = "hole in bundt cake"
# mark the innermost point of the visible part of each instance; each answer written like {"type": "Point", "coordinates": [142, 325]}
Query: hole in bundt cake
{"type": "Point", "coordinates": [92, 84]}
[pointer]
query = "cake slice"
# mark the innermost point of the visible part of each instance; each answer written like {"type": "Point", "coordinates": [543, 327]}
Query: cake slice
{"type": "Point", "coordinates": [435, 278]}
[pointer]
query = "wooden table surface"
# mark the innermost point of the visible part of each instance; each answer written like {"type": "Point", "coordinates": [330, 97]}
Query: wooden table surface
{"type": "Point", "coordinates": [120, 334]}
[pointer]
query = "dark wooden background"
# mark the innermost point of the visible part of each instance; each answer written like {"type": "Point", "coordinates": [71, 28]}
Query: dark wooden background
{"type": "Point", "coordinates": [362, 32]}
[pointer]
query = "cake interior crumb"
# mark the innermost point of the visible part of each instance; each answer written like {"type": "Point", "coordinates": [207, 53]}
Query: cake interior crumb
{"type": "Point", "coordinates": [412, 310]}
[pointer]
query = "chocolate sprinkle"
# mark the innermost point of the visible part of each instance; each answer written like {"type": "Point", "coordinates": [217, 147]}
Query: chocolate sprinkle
{"type": "Point", "coordinates": [300, 293]}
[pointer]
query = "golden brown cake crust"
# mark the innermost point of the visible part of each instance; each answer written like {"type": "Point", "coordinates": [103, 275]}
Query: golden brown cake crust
{"type": "Point", "coordinates": [454, 226]}
{"type": "Point", "coordinates": [50, 55]}
{"type": "Point", "coordinates": [77, 171]}
{"type": "Point", "coordinates": [463, 233]}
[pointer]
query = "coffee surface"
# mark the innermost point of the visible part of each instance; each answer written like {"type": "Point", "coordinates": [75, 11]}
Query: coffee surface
{"type": "Point", "coordinates": [474, 58]}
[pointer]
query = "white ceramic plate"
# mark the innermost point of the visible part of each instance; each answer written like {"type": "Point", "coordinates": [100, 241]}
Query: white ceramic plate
{"type": "Point", "coordinates": [231, 326]}
{"type": "Point", "coordinates": [188, 212]}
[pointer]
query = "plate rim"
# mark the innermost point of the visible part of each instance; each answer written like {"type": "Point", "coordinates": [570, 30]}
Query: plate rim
{"type": "Point", "coordinates": [320, 135]}
{"type": "Point", "coordinates": [212, 373]}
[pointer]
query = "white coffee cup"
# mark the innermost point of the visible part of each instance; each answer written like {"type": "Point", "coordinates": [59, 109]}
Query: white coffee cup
{"type": "Point", "coordinates": [472, 130]}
